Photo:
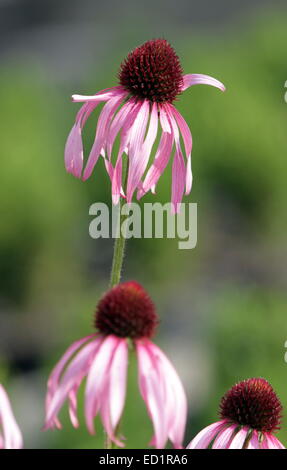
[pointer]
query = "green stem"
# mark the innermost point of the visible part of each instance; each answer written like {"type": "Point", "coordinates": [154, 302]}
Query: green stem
{"type": "Point", "coordinates": [117, 264]}
{"type": "Point", "coordinates": [119, 250]}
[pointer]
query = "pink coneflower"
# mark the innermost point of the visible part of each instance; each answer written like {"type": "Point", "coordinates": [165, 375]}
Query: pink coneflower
{"type": "Point", "coordinates": [125, 315]}
{"type": "Point", "coordinates": [250, 413]}
{"type": "Point", "coordinates": [10, 434]}
{"type": "Point", "coordinates": [150, 80]}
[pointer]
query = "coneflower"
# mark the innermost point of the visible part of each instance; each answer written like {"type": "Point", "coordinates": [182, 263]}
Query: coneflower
{"type": "Point", "coordinates": [124, 314]}
{"type": "Point", "coordinates": [250, 413]}
{"type": "Point", "coordinates": [150, 79]}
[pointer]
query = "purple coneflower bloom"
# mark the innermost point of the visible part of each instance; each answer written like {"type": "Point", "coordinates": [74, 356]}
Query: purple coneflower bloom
{"type": "Point", "coordinates": [124, 315]}
{"type": "Point", "coordinates": [150, 79]}
{"type": "Point", "coordinates": [10, 434]}
{"type": "Point", "coordinates": [250, 413]}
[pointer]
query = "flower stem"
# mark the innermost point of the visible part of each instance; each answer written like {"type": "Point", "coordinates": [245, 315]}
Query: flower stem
{"type": "Point", "coordinates": [117, 264]}
{"type": "Point", "coordinates": [119, 250]}
{"type": "Point", "coordinates": [120, 242]}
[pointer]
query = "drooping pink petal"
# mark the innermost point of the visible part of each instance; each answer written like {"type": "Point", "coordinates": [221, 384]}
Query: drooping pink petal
{"type": "Point", "coordinates": [271, 442]}
{"type": "Point", "coordinates": [204, 438]}
{"type": "Point", "coordinates": [117, 181]}
{"type": "Point", "coordinates": [239, 439]}
{"type": "Point", "coordinates": [97, 379]}
{"type": "Point", "coordinates": [254, 441]}
{"type": "Point", "coordinates": [187, 139]}
{"type": "Point", "coordinates": [102, 131]}
{"type": "Point", "coordinates": [157, 168]}
{"type": "Point", "coordinates": [115, 391]}
{"type": "Point", "coordinates": [136, 139]}
{"type": "Point", "coordinates": [103, 95]}
{"type": "Point", "coordinates": [175, 398]}
{"type": "Point", "coordinates": [200, 79]}
{"type": "Point", "coordinates": [55, 375]}
{"type": "Point", "coordinates": [178, 167]}
{"type": "Point", "coordinates": [117, 123]}
{"type": "Point", "coordinates": [71, 378]}
{"type": "Point", "coordinates": [74, 144]}
{"type": "Point", "coordinates": [152, 390]}
{"type": "Point", "coordinates": [224, 437]}
{"type": "Point", "coordinates": [12, 437]}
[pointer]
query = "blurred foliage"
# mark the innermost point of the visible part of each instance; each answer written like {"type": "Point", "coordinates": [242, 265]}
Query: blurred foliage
{"type": "Point", "coordinates": [234, 281]}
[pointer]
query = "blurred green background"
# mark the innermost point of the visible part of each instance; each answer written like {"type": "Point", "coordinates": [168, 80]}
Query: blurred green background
{"type": "Point", "coordinates": [222, 305]}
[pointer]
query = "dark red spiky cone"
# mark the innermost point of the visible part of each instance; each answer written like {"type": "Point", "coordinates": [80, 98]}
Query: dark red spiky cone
{"type": "Point", "coordinates": [127, 312]}
{"type": "Point", "coordinates": [252, 403]}
{"type": "Point", "coordinates": [152, 71]}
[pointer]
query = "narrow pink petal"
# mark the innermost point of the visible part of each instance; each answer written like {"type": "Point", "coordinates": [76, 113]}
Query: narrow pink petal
{"type": "Point", "coordinates": [152, 390]}
{"type": "Point", "coordinates": [102, 131]}
{"type": "Point", "coordinates": [55, 375]}
{"type": "Point", "coordinates": [140, 160]}
{"type": "Point", "coordinates": [73, 375]}
{"type": "Point", "coordinates": [239, 439]}
{"type": "Point", "coordinates": [187, 139]}
{"type": "Point", "coordinates": [175, 398]}
{"type": "Point", "coordinates": [200, 79]}
{"type": "Point", "coordinates": [12, 437]}
{"type": "Point", "coordinates": [103, 95]}
{"type": "Point", "coordinates": [74, 144]}
{"type": "Point", "coordinates": [160, 162]}
{"type": "Point", "coordinates": [271, 442]}
{"type": "Point", "coordinates": [204, 438]}
{"type": "Point", "coordinates": [136, 157]}
{"type": "Point", "coordinates": [97, 378]}
{"type": "Point", "coordinates": [178, 181]}
{"type": "Point", "coordinates": [164, 120]}
{"type": "Point", "coordinates": [115, 392]}
{"type": "Point", "coordinates": [224, 437]}
{"type": "Point", "coordinates": [117, 123]}
{"type": "Point", "coordinates": [254, 441]}
{"type": "Point", "coordinates": [178, 167]}
{"type": "Point", "coordinates": [117, 181]}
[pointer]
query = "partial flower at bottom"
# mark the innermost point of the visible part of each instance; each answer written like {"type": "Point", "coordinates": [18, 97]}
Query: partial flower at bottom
{"type": "Point", "coordinates": [10, 434]}
{"type": "Point", "coordinates": [125, 313]}
{"type": "Point", "coordinates": [250, 413]}
{"type": "Point", "coordinates": [138, 110]}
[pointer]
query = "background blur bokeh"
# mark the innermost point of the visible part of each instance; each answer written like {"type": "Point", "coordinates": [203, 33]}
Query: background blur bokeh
{"type": "Point", "coordinates": [222, 305]}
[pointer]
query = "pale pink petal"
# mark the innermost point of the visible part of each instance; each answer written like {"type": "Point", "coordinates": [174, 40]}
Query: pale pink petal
{"type": "Point", "coordinates": [55, 375]}
{"type": "Point", "coordinates": [73, 375]}
{"type": "Point", "coordinates": [117, 181]}
{"type": "Point", "coordinates": [97, 379]}
{"type": "Point", "coordinates": [157, 168]}
{"type": "Point", "coordinates": [115, 392]}
{"type": "Point", "coordinates": [101, 132]}
{"type": "Point", "coordinates": [224, 437]}
{"type": "Point", "coordinates": [136, 157]}
{"type": "Point", "coordinates": [254, 441]}
{"type": "Point", "coordinates": [178, 167]}
{"type": "Point", "coordinates": [164, 120]}
{"type": "Point", "coordinates": [175, 398]}
{"type": "Point", "coordinates": [152, 390]}
{"type": "Point", "coordinates": [272, 442]}
{"type": "Point", "coordinates": [74, 144]}
{"type": "Point", "coordinates": [239, 439]}
{"type": "Point", "coordinates": [200, 79]}
{"type": "Point", "coordinates": [12, 437]}
{"type": "Point", "coordinates": [103, 95]}
{"type": "Point", "coordinates": [187, 139]}
{"type": "Point", "coordinates": [117, 123]}
{"type": "Point", "coordinates": [204, 438]}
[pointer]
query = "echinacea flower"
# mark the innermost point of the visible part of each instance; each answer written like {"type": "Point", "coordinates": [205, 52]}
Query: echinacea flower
{"type": "Point", "coordinates": [10, 434]}
{"type": "Point", "coordinates": [150, 79]}
{"type": "Point", "coordinates": [250, 413]}
{"type": "Point", "coordinates": [125, 315]}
